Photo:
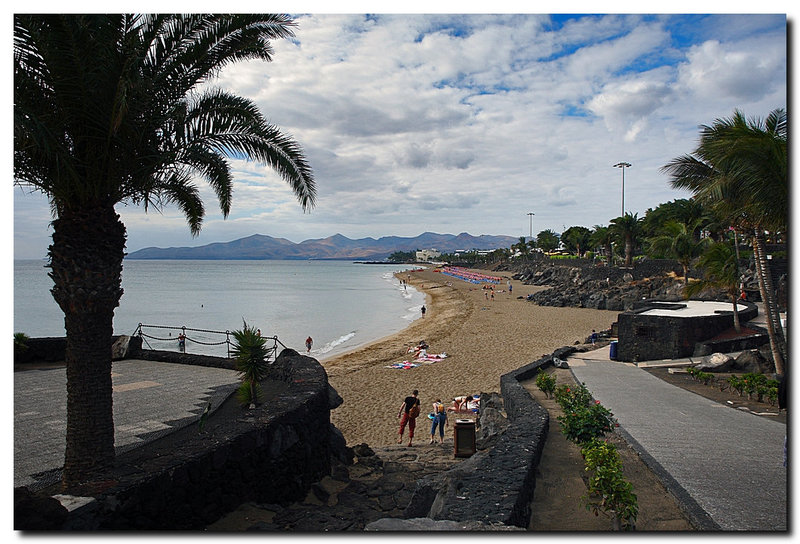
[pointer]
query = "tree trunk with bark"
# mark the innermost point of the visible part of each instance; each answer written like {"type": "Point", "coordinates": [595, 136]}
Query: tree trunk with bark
{"type": "Point", "coordinates": [628, 250]}
{"type": "Point", "coordinates": [774, 328]}
{"type": "Point", "coordinates": [86, 268]}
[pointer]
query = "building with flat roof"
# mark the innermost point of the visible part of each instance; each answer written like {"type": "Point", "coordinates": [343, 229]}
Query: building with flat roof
{"type": "Point", "coordinates": [673, 330]}
{"type": "Point", "coordinates": [425, 255]}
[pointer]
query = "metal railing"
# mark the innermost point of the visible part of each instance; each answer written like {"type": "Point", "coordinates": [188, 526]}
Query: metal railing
{"type": "Point", "coordinates": [183, 337]}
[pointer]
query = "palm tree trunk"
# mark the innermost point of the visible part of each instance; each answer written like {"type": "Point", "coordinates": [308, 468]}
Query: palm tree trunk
{"type": "Point", "coordinates": [737, 325]}
{"type": "Point", "coordinates": [774, 329]}
{"type": "Point", "coordinates": [86, 268]}
{"type": "Point", "coordinates": [628, 250]}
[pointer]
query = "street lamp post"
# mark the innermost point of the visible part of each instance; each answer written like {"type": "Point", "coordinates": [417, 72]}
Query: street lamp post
{"type": "Point", "coordinates": [623, 166]}
{"type": "Point", "coordinates": [530, 215]}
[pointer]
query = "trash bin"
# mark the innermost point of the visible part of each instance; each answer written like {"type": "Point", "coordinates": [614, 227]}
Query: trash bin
{"type": "Point", "coordinates": [464, 438]}
{"type": "Point", "coordinates": [612, 351]}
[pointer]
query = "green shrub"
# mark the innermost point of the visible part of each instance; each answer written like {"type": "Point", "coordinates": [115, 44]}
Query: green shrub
{"type": "Point", "coordinates": [20, 343]}
{"type": "Point", "coordinates": [772, 395]}
{"type": "Point", "coordinates": [581, 424]}
{"type": "Point", "coordinates": [546, 383]}
{"type": "Point", "coordinates": [570, 397]}
{"type": "Point", "coordinates": [756, 386]}
{"type": "Point", "coordinates": [608, 491]}
{"type": "Point", "coordinates": [736, 383]}
{"type": "Point", "coordinates": [705, 377]}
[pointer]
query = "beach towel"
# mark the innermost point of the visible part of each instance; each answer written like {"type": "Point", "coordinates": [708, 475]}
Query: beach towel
{"type": "Point", "coordinates": [404, 365]}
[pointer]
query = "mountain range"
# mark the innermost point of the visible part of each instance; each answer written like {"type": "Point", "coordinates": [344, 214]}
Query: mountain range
{"type": "Point", "coordinates": [262, 247]}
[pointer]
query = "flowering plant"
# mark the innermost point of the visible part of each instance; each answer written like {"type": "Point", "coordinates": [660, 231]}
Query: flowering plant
{"type": "Point", "coordinates": [546, 383]}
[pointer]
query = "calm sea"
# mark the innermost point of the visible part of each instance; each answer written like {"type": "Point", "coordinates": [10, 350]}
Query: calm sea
{"type": "Point", "coordinates": [341, 305]}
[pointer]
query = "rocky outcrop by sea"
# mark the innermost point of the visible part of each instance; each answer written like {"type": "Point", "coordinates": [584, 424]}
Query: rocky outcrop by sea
{"type": "Point", "coordinates": [582, 284]}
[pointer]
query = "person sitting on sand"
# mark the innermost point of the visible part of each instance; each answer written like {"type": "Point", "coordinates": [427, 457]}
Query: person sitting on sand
{"type": "Point", "coordinates": [460, 404]}
{"type": "Point", "coordinates": [419, 350]}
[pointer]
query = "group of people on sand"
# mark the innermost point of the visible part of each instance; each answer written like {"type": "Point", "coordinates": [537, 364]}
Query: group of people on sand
{"type": "Point", "coordinates": [410, 410]}
{"type": "Point", "coordinates": [420, 350]}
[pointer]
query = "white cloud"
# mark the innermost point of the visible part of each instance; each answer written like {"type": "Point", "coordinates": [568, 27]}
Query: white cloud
{"type": "Point", "coordinates": [742, 71]}
{"type": "Point", "coordinates": [467, 123]}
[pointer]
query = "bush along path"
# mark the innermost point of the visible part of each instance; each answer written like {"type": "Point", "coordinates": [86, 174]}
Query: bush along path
{"type": "Point", "coordinates": [589, 479]}
{"type": "Point", "coordinates": [585, 422]}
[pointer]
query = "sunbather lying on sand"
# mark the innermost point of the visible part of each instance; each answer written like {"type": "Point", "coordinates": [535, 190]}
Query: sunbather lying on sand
{"type": "Point", "coordinates": [466, 403]}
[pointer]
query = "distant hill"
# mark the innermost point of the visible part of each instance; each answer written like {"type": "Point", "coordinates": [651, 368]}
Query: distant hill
{"type": "Point", "coordinates": [261, 247]}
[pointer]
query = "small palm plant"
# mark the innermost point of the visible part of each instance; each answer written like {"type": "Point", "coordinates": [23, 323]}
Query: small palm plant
{"type": "Point", "coordinates": [250, 351]}
{"type": "Point", "coordinates": [676, 240]}
{"type": "Point", "coordinates": [720, 270]}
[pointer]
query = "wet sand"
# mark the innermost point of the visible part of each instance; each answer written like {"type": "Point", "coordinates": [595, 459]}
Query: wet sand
{"type": "Point", "coordinates": [482, 338]}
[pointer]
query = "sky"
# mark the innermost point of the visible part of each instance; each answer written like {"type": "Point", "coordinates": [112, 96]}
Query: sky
{"type": "Point", "coordinates": [455, 123]}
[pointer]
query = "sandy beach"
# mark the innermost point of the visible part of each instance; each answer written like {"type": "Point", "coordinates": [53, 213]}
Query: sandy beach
{"type": "Point", "coordinates": [483, 339]}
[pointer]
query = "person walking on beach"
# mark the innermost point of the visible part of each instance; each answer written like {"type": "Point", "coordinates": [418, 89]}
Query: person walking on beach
{"type": "Point", "coordinates": [408, 413]}
{"type": "Point", "coordinates": [440, 419]}
{"type": "Point", "coordinates": [423, 310]}
{"type": "Point", "coordinates": [309, 343]}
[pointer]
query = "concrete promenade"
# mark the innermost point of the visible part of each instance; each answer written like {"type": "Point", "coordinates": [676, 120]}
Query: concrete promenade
{"type": "Point", "coordinates": [150, 399]}
{"type": "Point", "coordinates": [725, 465]}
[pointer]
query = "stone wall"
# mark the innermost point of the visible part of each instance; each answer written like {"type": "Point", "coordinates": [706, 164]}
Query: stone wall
{"type": "Point", "coordinates": [53, 349]}
{"type": "Point", "coordinates": [46, 350]}
{"type": "Point", "coordinates": [272, 454]}
{"type": "Point", "coordinates": [753, 341]}
{"type": "Point", "coordinates": [650, 337]}
{"type": "Point", "coordinates": [494, 486]}
{"type": "Point", "coordinates": [183, 358]}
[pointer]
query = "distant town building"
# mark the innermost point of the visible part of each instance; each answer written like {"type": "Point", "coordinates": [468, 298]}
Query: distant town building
{"type": "Point", "coordinates": [425, 255]}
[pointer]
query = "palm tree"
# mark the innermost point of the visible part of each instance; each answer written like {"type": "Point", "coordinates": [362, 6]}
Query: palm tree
{"type": "Point", "coordinates": [627, 229]}
{"type": "Point", "coordinates": [602, 237]}
{"type": "Point", "coordinates": [547, 240]}
{"type": "Point", "coordinates": [113, 109]}
{"type": "Point", "coordinates": [740, 168]}
{"type": "Point", "coordinates": [522, 247]}
{"type": "Point", "coordinates": [676, 241]}
{"type": "Point", "coordinates": [720, 270]}
{"type": "Point", "coordinates": [687, 211]}
{"type": "Point", "coordinates": [576, 238]}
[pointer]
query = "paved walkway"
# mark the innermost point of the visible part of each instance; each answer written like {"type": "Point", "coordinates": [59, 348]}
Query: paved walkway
{"type": "Point", "coordinates": [725, 464]}
{"type": "Point", "coordinates": [150, 399]}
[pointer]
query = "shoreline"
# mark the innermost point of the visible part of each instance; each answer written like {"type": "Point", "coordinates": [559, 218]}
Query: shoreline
{"type": "Point", "coordinates": [483, 339]}
{"type": "Point", "coordinates": [370, 343]}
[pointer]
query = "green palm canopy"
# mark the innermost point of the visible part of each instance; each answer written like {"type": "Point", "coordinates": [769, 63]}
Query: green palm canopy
{"type": "Point", "coordinates": [740, 169]}
{"type": "Point", "coordinates": [115, 109]}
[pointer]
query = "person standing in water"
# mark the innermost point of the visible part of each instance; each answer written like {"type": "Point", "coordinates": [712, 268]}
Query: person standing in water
{"type": "Point", "coordinates": [309, 343]}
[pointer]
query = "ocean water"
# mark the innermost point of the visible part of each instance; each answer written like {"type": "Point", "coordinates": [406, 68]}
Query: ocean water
{"type": "Point", "coordinates": [340, 304]}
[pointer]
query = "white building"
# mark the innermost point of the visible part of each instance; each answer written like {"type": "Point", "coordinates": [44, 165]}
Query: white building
{"type": "Point", "coordinates": [425, 255]}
